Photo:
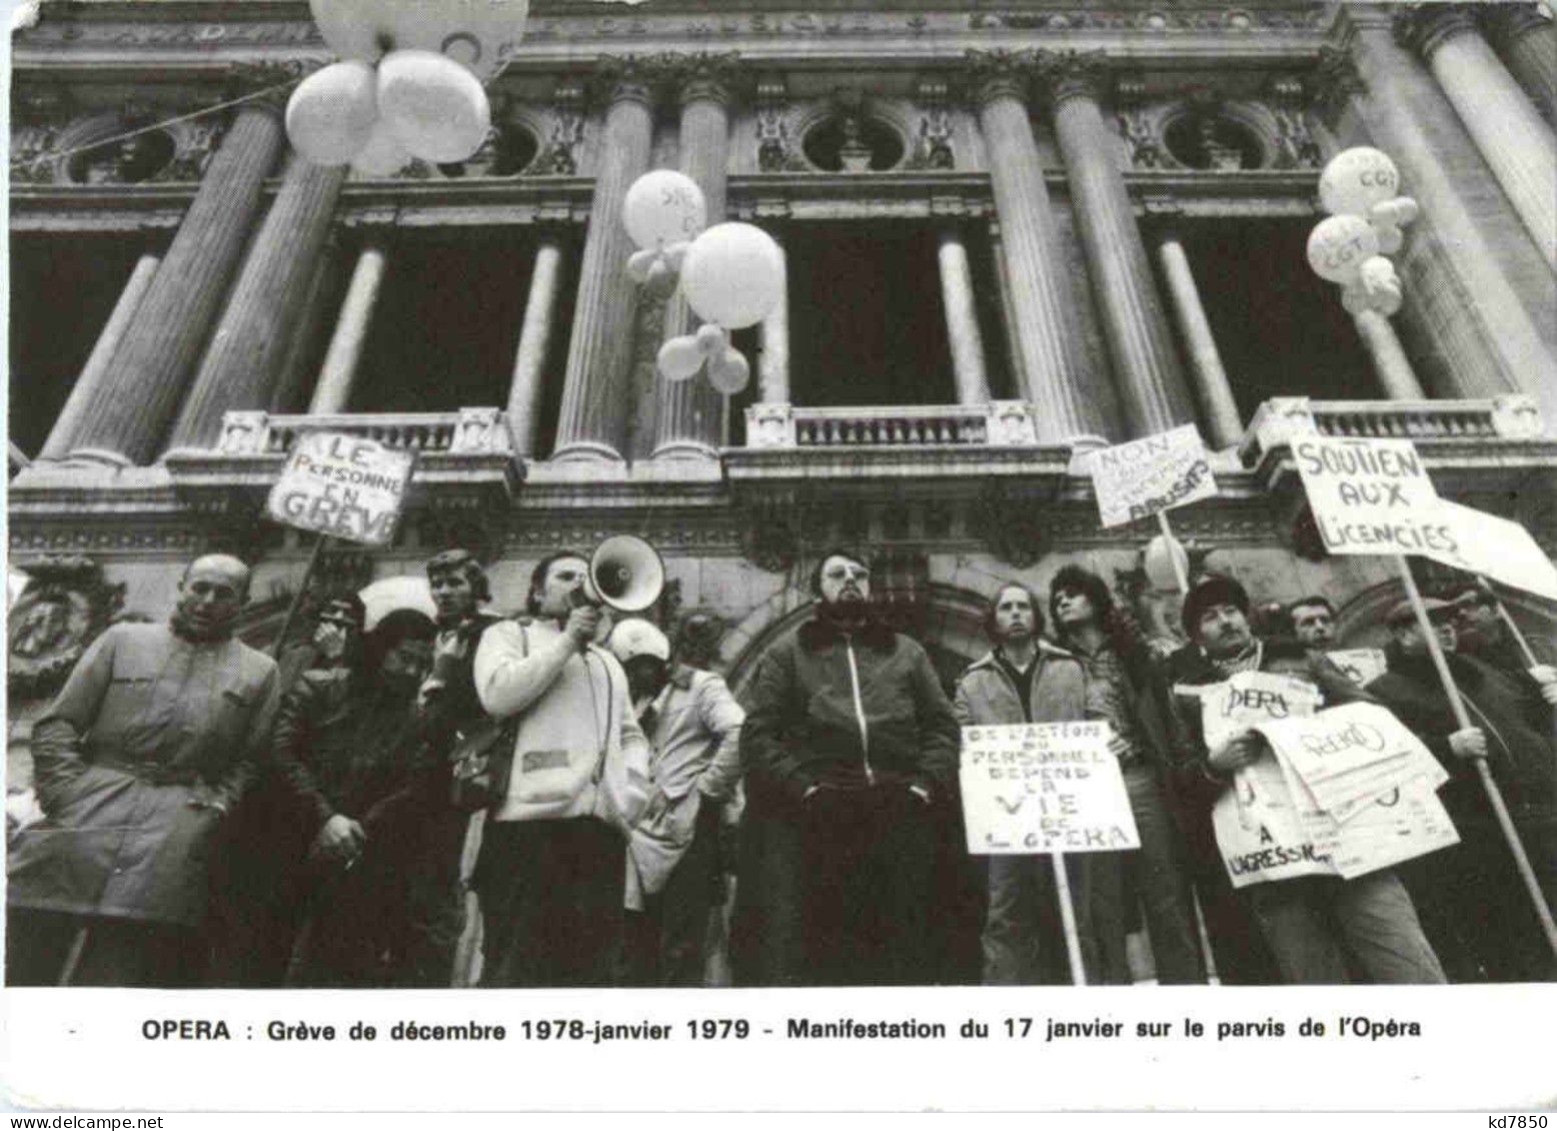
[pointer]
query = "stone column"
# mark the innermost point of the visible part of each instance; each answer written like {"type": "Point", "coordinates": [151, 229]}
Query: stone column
{"type": "Point", "coordinates": [1218, 408]}
{"type": "Point", "coordinates": [292, 376]}
{"type": "Point", "coordinates": [962, 322]}
{"type": "Point", "coordinates": [1517, 144]}
{"type": "Point", "coordinates": [1139, 340]}
{"type": "Point", "coordinates": [528, 387]}
{"type": "Point", "coordinates": [338, 374]}
{"type": "Point", "coordinates": [1007, 308]}
{"type": "Point", "coordinates": [592, 422]}
{"type": "Point", "coordinates": [773, 364]}
{"type": "Point", "coordinates": [243, 361]}
{"type": "Point", "coordinates": [690, 417]}
{"type": "Point", "coordinates": [1478, 294]}
{"type": "Point", "coordinates": [1396, 377]}
{"type": "Point", "coordinates": [67, 426]}
{"type": "Point", "coordinates": [1527, 41]}
{"type": "Point", "coordinates": [1046, 330]}
{"type": "Point", "coordinates": [123, 420]}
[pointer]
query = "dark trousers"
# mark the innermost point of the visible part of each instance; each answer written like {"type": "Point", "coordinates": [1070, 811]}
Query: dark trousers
{"type": "Point", "coordinates": [1161, 880]}
{"type": "Point", "coordinates": [117, 952]}
{"type": "Point", "coordinates": [551, 902]}
{"type": "Point", "coordinates": [664, 941]}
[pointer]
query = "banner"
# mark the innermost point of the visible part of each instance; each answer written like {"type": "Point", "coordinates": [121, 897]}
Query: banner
{"type": "Point", "coordinates": [1156, 473]}
{"type": "Point", "coordinates": [1360, 665]}
{"type": "Point", "coordinates": [344, 486]}
{"type": "Point", "coordinates": [1371, 496]}
{"type": "Point", "coordinates": [1496, 547]}
{"type": "Point", "coordinates": [1250, 698]}
{"type": "Point", "coordinates": [1044, 788]}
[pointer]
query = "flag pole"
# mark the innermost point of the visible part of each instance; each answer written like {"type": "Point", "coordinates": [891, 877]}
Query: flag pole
{"type": "Point", "coordinates": [297, 597]}
{"type": "Point", "coordinates": [1078, 970]}
{"type": "Point", "coordinates": [1494, 796]}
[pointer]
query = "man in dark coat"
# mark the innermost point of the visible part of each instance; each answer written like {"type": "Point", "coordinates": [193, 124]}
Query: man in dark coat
{"type": "Point", "coordinates": [1465, 890]}
{"type": "Point", "coordinates": [137, 763]}
{"type": "Point", "coordinates": [849, 742]}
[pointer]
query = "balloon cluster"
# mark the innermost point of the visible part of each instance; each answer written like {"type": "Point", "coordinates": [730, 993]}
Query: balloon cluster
{"type": "Point", "coordinates": [731, 274]}
{"type": "Point", "coordinates": [408, 85]}
{"type": "Point", "coordinates": [1360, 189]}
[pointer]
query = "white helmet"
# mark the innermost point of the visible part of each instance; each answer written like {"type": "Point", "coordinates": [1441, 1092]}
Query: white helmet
{"type": "Point", "coordinates": [637, 637]}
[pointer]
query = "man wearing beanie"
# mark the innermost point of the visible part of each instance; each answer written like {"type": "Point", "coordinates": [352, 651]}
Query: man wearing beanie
{"type": "Point", "coordinates": [1318, 929]}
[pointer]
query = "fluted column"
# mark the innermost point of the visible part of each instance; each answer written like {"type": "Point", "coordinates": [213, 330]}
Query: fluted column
{"type": "Point", "coordinates": [593, 419]}
{"type": "Point", "coordinates": [1516, 143]}
{"type": "Point", "coordinates": [1395, 374]}
{"type": "Point", "coordinates": [1046, 330]}
{"type": "Point", "coordinates": [338, 374]}
{"type": "Point", "coordinates": [1007, 307]}
{"type": "Point", "coordinates": [67, 426]}
{"type": "Point", "coordinates": [528, 387]}
{"type": "Point", "coordinates": [962, 322]}
{"type": "Point", "coordinates": [123, 420]}
{"type": "Point", "coordinates": [690, 420]}
{"type": "Point", "coordinates": [1527, 41]}
{"type": "Point", "coordinates": [773, 364]}
{"type": "Point", "coordinates": [243, 361]}
{"type": "Point", "coordinates": [1139, 340]}
{"type": "Point", "coordinates": [1218, 408]}
{"type": "Point", "coordinates": [1478, 294]}
{"type": "Point", "coordinates": [292, 376]}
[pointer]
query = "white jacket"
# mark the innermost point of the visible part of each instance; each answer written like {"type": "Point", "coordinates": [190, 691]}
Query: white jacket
{"type": "Point", "coordinates": [579, 751]}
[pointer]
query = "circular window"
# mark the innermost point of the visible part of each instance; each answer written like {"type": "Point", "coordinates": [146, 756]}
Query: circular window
{"type": "Point", "coordinates": [1212, 141]}
{"type": "Point", "coordinates": [853, 145]}
{"type": "Point", "coordinates": [126, 161]}
{"type": "Point", "coordinates": [509, 151]}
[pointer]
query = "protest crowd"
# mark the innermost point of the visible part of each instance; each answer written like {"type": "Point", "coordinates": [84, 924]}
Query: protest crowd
{"type": "Point", "coordinates": [211, 817]}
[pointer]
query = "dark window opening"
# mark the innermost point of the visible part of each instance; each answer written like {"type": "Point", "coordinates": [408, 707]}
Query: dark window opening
{"type": "Point", "coordinates": [63, 290]}
{"type": "Point", "coordinates": [985, 272]}
{"type": "Point", "coordinates": [1280, 329]}
{"type": "Point", "coordinates": [1211, 141]}
{"type": "Point", "coordinates": [853, 144]}
{"type": "Point", "coordinates": [127, 161]}
{"type": "Point", "coordinates": [866, 322]}
{"type": "Point", "coordinates": [508, 152]}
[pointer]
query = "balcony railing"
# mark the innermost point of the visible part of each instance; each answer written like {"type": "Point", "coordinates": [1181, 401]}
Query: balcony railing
{"type": "Point", "coordinates": [470, 431]}
{"type": "Point", "coordinates": [999, 424]}
{"type": "Point", "coordinates": [1497, 419]}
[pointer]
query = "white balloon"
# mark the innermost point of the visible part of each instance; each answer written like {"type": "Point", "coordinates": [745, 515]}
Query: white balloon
{"type": "Point", "coordinates": [711, 339]}
{"type": "Point", "coordinates": [661, 280]}
{"type": "Point", "coordinates": [383, 155]}
{"type": "Point", "coordinates": [1158, 562]}
{"type": "Point", "coordinates": [664, 207]}
{"type": "Point", "coordinates": [480, 35]}
{"type": "Point", "coordinates": [638, 264]}
{"type": "Point", "coordinates": [332, 112]}
{"type": "Point", "coordinates": [1378, 280]}
{"type": "Point", "coordinates": [729, 373]}
{"type": "Point", "coordinates": [733, 275]}
{"type": "Point", "coordinates": [434, 106]}
{"type": "Point", "coordinates": [680, 358]}
{"type": "Point", "coordinates": [1337, 247]}
{"type": "Point", "coordinates": [1357, 179]}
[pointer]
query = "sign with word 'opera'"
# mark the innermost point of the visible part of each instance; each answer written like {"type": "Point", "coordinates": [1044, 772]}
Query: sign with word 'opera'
{"type": "Point", "coordinates": [1044, 788]}
{"type": "Point", "coordinates": [1154, 473]}
{"type": "Point", "coordinates": [344, 486]}
{"type": "Point", "coordinates": [1370, 496]}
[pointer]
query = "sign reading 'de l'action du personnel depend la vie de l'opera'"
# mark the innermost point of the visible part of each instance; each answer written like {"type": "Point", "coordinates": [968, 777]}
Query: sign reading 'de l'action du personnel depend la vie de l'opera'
{"type": "Point", "coordinates": [1040, 788]}
{"type": "Point", "coordinates": [1154, 473]}
{"type": "Point", "coordinates": [343, 486]}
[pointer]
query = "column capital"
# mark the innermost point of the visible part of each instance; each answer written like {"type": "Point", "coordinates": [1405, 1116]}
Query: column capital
{"type": "Point", "coordinates": [1001, 73]}
{"type": "Point", "coordinates": [1425, 27]}
{"type": "Point", "coordinates": [1509, 23]}
{"type": "Point", "coordinates": [1072, 74]}
{"type": "Point", "coordinates": [626, 78]}
{"type": "Point", "coordinates": [704, 77]}
{"type": "Point", "coordinates": [1335, 80]}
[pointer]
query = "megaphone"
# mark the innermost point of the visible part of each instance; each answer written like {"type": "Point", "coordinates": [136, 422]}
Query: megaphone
{"type": "Point", "coordinates": [625, 574]}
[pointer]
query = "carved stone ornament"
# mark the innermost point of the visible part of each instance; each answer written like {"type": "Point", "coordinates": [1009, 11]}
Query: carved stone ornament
{"type": "Point", "coordinates": [775, 152]}
{"type": "Point", "coordinates": [770, 538]}
{"type": "Point", "coordinates": [560, 156]}
{"type": "Point", "coordinates": [1009, 525]}
{"type": "Point", "coordinates": [1295, 146]}
{"type": "Point", "coordinates": [1072, 74]}
{"type": "Point", "coordinates": [1336, 79]}
{"type": "Point", "coordinates": [932, 147]}
{"type": "Point", "coordinates": [998, 74]}
{"type": "Point", "coordinates": [64, 607]}
{"type": "Point", "coordinates": [1136, 126]}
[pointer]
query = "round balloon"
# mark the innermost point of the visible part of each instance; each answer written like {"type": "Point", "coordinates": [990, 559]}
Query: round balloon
{"type": "Point", "coordinates": [663, 207]}
{"type": "Point", "coordinates": [435, 107]}
{"type": "Point", "coordinates": [711, 339]}
{"type": "Point", "coordinates": [733, 275]}
{"type": "Point", "coordinates": [480, 35]}
{"type": "Point", "coordinates": [332, 112]}
{"type": "Point", "coordinates": [1357, 179]}
{"type": "Point", "coordinates": [383, 155]}
{"type": "Point", "coordinates": [1161, 554]}
{"type": "Point", "coordinates": [729, 372]}
{"type": "Point", "coordinates": [1337, 247]}
{"type": "Point", "coordinates": [680, 358]}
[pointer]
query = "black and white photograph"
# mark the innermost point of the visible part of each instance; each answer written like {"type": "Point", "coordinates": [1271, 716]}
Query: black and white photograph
{"type": "Point", "coordinates": [1007, 513]}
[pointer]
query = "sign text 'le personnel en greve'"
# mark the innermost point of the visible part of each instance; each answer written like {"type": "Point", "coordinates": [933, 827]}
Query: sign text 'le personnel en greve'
{"type": "Point", "coordinates": [343, 486]}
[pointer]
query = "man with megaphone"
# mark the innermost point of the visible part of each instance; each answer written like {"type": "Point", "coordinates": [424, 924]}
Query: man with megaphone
{"type": "Point", "coordinates": [550, 876]}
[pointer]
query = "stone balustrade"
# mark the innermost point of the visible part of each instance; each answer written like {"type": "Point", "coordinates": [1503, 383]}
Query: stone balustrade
{"type": "Point", "coordinates": [997, 424]}
{"type": "Point", "coordinates": [1510, 418]}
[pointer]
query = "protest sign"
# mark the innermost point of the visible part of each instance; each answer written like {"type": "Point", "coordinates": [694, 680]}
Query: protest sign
{"type": "Point", "coordinates": [1370, 496]}
{"type": "Point", "coordinates": [1260, 831]}
{"type": "Point", "coordinates": [1250, 698]}
{"type": "Point", "coordinates": [1494, 547]}
{"type": "Point", "coordinates": [1152, 474]}
{"type": "Point", "coordinates": [343, 486]}
{"type": "Point", "coordinates": [1360, 665]}
{"type": "Point", "coordinates": [1044, 788]}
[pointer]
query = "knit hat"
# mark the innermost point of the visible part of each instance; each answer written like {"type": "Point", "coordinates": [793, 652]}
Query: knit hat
{"type": "Point", "coordinates": [1209, 590]}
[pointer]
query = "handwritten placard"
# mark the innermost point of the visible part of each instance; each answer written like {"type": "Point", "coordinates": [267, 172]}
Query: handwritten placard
{"type": "Point", "coordinates": [1370, 496]}
{"type": "Point", "coordinates": [1154, 473]}
{"type": "Point", "coordinates": [1360, 665]}
{"type": "Point", "coordinates": [1044, 788]}
{"type": "Point", "coordinates": [344, 486]}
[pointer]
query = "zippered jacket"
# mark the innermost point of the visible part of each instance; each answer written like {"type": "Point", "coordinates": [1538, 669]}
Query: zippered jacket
{"type": "Point", "coordinates": [845, 710]}
{"type": "Point", "coordinates": [986, 695]}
